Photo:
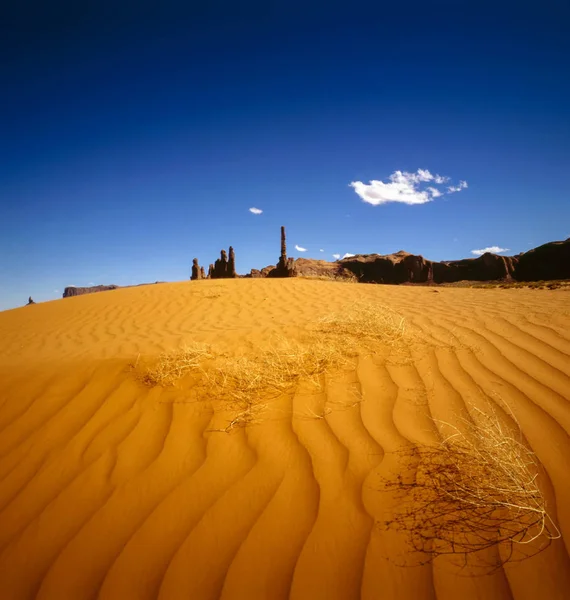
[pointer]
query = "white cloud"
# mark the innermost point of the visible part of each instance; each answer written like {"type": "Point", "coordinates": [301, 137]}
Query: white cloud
{"type": "Point", "coordinates": [405, 188]}
{"type": "Point", "coordinates": [457, 188]}
{"type": "Point", "coordinates": [299, 249]}
{"type": "Point", "coordinates": [493, 249]}
{"type": "Point", "coordinates": [337, 256]}
{"type": "Point", "coordinates": [348, 255]}
{"type": "Point", "coordinates": [255, 211]}
{"type": "Point", "coordinates": [435, 193]}
{"type": "Point", "coordinates": [91, 283]}
{"type": "Point", "coordinates": [321, 250]}
{"type": "Point", "coordinates": [56, 291]}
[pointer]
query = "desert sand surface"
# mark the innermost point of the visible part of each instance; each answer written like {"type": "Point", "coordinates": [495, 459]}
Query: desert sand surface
{"type": "Point", "coordinates": [114, 485]}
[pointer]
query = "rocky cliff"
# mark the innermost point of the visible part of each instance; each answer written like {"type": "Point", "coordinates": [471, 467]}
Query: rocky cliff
{"type": "Point", "coordinates": [79, 291]}
{"type": "Point", "coordinates": [549, 261]}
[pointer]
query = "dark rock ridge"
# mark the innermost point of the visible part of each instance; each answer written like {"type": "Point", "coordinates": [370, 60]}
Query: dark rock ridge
{"type": "Point", "coordinates": [549, 261]}
{"type": "Point", "coordinates": [403, 267]}
{"type": "Point", "coordinates": [79, 291]}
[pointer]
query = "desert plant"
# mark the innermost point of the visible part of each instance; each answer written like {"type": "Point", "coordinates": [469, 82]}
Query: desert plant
{"type": "Point", "coordinates": [170, 366]}
{"type": "Point", "coordinates": [476, 490]}
{"type": "Point", "coordinates": [365, 327]}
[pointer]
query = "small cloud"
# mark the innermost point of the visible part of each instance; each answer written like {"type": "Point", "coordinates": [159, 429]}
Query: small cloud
{"type": "Point", "coordinates": [299, 249]}
{"type": "Point", "coordinates": [91, 283]}
{"type": "Point", "coordinates": [492, 249]}
{"type": "Point", "coordinates": [405, 188]}
{"type": "Point", "coordinates": [56, 291]}
{"type": "Point", "coordinates": [337, 256]}
{"type": "Point", "coordinates": [435, 193]}
{"type": "Point", "coordinates": [321, 250]}
{"type": "Point", "coordinates": [255, 211]}
{"type": "Point", "coordinates": [347, 255]}
{"type": "Point", "coordinates": [457, 188]}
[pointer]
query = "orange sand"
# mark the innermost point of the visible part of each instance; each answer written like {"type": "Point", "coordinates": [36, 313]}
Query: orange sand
{"type": "Point", "coordinates": [112, 490]}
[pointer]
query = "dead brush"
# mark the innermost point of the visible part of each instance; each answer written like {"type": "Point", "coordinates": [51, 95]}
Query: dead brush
{"type": "Point", "coordinates": [247, 384]}
{"type": "Point", "coordinates": [364, 326]}
{"type": "Point", "coordinates": [478, 489]}
{"type": "Point", "coordinates": [273, 371]}
{"type": "Point", "coordinates": [171, 366]}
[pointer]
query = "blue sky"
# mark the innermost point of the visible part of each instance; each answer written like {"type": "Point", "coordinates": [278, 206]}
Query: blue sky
{"type": "Point", "coordinates": [135, 138]}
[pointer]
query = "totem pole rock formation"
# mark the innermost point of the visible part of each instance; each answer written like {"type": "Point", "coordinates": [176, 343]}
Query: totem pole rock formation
{"type": "Point", "coordinates": [231, 264]}
{"type": "Point", "coordinates": [285, 266]}
{"type": "Point", "coordinates": [283, 257]}
{"type": "Point", "coordinates": [211, 272]}
{"type": "Point", "coordinates": [195, 270]}
{"type": "Point", "coordinates": [30, 301]}
{"type": "Point", "coordinates": [202, 273]}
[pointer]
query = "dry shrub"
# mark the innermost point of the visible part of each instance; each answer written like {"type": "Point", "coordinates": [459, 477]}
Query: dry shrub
{"type": "Point", "coordinates": [274, 371]}
{"type": "Point", "coordinates": [171, 366]}
{"type": "Point", "coordinates": [246, 385]}
{"type": "Point", "coordinates": [365, 327]}
{"type": "Point", "coordinates": [478, 489]}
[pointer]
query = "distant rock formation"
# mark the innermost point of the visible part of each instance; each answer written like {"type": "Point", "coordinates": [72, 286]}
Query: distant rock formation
{"type": "Point", "coordinates": [483, 268]}
{"type": "Point", "coordinates": [403, 267]}
{"type": "Point", "coordinates": [307, 267]}
{"type": "Point", "coordinates": [195, 270]}
{"type": "Point", "coordinates": [79, 291]}
{"type": "Point", "coordinates": [30, 301]}
{"type": "Point", "coordinates": [224, 267]}
{"type": "Point", "coordinates": [231, 263]}
{"type": "Point", "coordinates": [285, 266]}
{"type": "Point", "coordinates": [221, 266]}
{"type": "Point", "coordinates": [549, 261]}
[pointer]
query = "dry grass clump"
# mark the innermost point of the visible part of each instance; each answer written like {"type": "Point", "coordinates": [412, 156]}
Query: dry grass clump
{"type": "Point", "coordinates": [246, 385]}
{"type": "Point", "coordinates": [477, 490]}
{"type": "Point", "coordinates": [364, 326]}
{"type": "Point", "coordinates": [274, 371]}
{"type": "Point", "coordinates": [171, 366]}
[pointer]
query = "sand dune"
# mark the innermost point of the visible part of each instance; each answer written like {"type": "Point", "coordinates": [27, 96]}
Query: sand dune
{"type": "Point", "coordinates": [113, 489]}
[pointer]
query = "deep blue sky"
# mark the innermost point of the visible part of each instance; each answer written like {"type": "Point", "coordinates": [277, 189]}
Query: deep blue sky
{"type": "Point", "coordinates": [134, 138]}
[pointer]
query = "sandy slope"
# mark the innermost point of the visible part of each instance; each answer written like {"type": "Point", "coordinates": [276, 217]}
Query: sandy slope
{"type": "Point", "coordinates": [109, 489]}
